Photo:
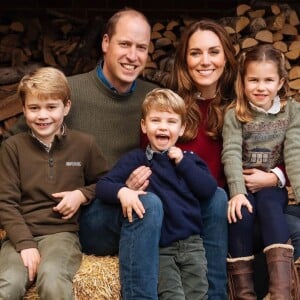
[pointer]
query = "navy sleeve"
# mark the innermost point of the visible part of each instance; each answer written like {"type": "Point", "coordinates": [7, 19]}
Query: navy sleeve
{"type": "Point", "coordinates": [197, 176]}
{"type": "Point", "coordinates": [109, 185]}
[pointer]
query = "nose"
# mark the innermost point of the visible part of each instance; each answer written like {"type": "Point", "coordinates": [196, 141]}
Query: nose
{"type": "Point", "coordinates": [260, 86]}
{"type": "Point", "coordinates": [132, 53]}
{"type": "Point", "coordinates": [42, 114]}
{"type": "Point", "coordinates": [205, 59]}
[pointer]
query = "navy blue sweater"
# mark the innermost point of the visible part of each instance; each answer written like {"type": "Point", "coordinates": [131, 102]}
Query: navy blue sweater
{"type": "Point", "coordinates": [180, 187]}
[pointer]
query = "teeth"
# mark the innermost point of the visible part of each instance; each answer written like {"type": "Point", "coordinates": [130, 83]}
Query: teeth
{"type": "Point", "coordinates": [128, 67]}
{"type": "Point", "coordinates": [205, 72]}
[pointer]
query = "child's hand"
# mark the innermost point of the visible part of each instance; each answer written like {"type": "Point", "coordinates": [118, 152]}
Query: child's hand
{"type": "Point", "coordinates": [256, 179]}
{"type": "Point", "coordinates": [234, 207]}
{"type": "Point", "coordinates": [70, 203]}
{"type": "Point", "coordinates": [31, 260]}
{"type": "Point", "coordinates": [175, 154]}
{"type": "Point", "coordinates": [130, 201]}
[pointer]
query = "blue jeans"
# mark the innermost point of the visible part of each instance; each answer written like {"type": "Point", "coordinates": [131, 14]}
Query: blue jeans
{"type": "Point", "coordinates": [215, 240]}
{"type": "Point", "coordinates": [292, 214]}
{"type": "Point", "coordinates": [104, 231]}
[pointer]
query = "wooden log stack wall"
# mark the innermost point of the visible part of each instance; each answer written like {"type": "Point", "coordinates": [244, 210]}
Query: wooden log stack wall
{"type": "Point", "coordinates": [73, 45]}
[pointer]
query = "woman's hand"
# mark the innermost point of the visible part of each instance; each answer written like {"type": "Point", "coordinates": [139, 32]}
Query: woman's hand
{"type": "Point", "coordinates": [234, 207]}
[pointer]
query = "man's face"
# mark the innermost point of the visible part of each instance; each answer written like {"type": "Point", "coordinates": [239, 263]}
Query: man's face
{"type": "Point", "coordinates": [126, 52]}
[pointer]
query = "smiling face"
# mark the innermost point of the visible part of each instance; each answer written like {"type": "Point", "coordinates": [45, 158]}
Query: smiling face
{"type": "Point", "coordinates": [126, 51]}
{"type": "Point", "coordinates": [45, 116]}
{"type": "Point", "coordinates": [162, 128]}
{"type": "Point", "coordinates": [262, 83]}
{"type": "Point", "coordinates": [205, 61]}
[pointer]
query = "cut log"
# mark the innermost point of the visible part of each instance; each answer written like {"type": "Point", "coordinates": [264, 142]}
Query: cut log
{"type": "Point", "coordinates": [172, 25]}
{"type": "Point", "coordinates": [248, 42]}
{"type": "Point", "coordinates": [280, 45]}
{"type": "Point", "coordinates": [9, 75]}
{"type": "Point", "coordinates": [162, 43]}
{"type": "Point", "coordinates": [295, 84]}
{"type": "Point", "coordinates": [276, 23]}
{"type": "Point", "coordinates": [293, 54]}
{"type": "Point", "coordinates": [277, 36]}
{"type": "Point", "coordinates": [275, 9]}
{"type": "Point", "coordinates": [265, 36]}
{"type": "Point", "coordinates": [155, 35]}
{"type": "Point", "coordinates": [257, 24]}
{"type": "Point", "coordinates": [17, 26]}
{"type": "Point", "coordinates": [158, 27]}
{"type": "Point", "coordinates": [294, 73]}
{"type": "Point", "coordinates": [9, 107]}
{"type": "Point", "coordinates": [229, 30]}
{"type": "Point", "coordinates": [242, 9]}
{"type": "Point", "coordinates": [241, 23]}
{"type": "Point", "coordinates": [289, 29]}
{"type": "Point", "coordinates": [158, 54]}
{"type": "Point", "coordinates": [293, 18]}
{"type": "Point", "coordinates": [170, 35]}
{"type": "Point", "coordinates": [259, 13]}
{"type": "Point", "coordinates": [295, 45]}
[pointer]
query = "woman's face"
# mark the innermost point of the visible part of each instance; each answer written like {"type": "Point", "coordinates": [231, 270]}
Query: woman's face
{"type": "Point", "coordinates": [206, 60]}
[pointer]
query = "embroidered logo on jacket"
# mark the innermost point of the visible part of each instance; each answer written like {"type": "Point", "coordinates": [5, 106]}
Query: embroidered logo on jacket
{"type": "Point", "coordinates": [73, 163]}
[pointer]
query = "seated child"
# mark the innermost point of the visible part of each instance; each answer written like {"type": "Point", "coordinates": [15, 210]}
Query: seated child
{"type": "Point", "coordinates": [46, 174]}
{"type": "Point", "coordinates": [181, 180]}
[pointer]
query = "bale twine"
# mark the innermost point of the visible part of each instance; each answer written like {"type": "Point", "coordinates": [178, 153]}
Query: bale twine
{"type": "Point", "coordinates": [96, 279]}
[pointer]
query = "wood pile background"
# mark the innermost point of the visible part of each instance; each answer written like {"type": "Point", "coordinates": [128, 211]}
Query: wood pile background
{"type": "Point", "coordinates": [74, 45]}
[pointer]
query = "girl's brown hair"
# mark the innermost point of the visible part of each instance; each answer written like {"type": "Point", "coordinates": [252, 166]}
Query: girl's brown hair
{"type": "Point", "coordinates": [260, 53]}
{"type": "Point", "coordinates": [182, 82]}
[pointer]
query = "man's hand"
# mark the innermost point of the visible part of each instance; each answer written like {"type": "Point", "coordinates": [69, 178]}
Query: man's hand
{"type": "Point", "coordinates": [130, 201]}
{"type": "Point", "coordinates": [234, 207]}
{"type": "Point", "coordinates": [139, 179]}
{"type": "Point", "coordinates": [70, 203]}
{"type": "Point", "coordinates": [31, 260]}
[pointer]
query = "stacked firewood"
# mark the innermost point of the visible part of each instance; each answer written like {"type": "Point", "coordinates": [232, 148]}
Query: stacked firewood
{"type": "Point", "coordinates": [274, 24]}
{"type": "Point", "coordinates": [73, 45]}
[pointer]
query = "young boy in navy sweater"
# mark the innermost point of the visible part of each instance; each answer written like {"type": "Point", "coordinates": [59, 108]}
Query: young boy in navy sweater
{"type": "Point", "coordinates": [181, 180]}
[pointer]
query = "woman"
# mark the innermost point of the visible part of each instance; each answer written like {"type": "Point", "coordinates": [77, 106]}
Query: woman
{"type": "Point", "coordinates": [204, 72]}
{"type": "Point", "coordinates": [203, 75]}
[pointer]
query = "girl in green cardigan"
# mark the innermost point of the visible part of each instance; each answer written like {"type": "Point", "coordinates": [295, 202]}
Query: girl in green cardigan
{"type": "Point", "coordinates": [260, 131]}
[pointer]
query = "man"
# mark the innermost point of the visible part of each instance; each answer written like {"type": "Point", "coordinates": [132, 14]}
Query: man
{"type": "Point", "coordinates": [107, 104]}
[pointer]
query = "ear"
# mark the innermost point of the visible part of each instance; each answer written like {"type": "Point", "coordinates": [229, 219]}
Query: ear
{"type": "Point", "coordinates": [105, 43]}
{"type": "Point", "coordinates": [181, 132]}
{"type": "Point", "coordinates": [67, 107]}
{"type": "Point", "coordinates": [143, 126]}
{"type": "Point", "coordinates": [281, 82]}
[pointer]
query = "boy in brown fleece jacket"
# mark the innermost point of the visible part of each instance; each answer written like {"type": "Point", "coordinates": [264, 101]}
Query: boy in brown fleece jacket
{"type": "Point", "coordinates": [46, 174]}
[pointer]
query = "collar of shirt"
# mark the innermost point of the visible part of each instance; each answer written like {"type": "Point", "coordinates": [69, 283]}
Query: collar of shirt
{"type": "Point", "coordinates": [109, 85]}
{"type": "Point", "coordinates": [274, 109]}
{"type": "Point", "coordinates": [149, 152]}
{"type": "Point", "coordinates": [47, 147]}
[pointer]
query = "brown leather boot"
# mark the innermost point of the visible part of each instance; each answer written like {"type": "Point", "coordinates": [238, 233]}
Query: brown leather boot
{"type": "Point", "coordinates": [240, 278]}
{"type": "Point", "coordinates": [280, 263]}
{"type": "Point", "coordinates": [296, 280]}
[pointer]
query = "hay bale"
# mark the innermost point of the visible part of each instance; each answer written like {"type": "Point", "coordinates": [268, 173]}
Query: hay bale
{"type": "Point", "coordinates": [96, 279]}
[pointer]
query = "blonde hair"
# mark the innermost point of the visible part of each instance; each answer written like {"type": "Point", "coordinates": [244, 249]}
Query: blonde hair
{"type": "Point", "coordinates": [164, 99]}
{"type": "Point", "coordinates": [260, 53]}
{"type": "Point", "coordinates": [44, 83]}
